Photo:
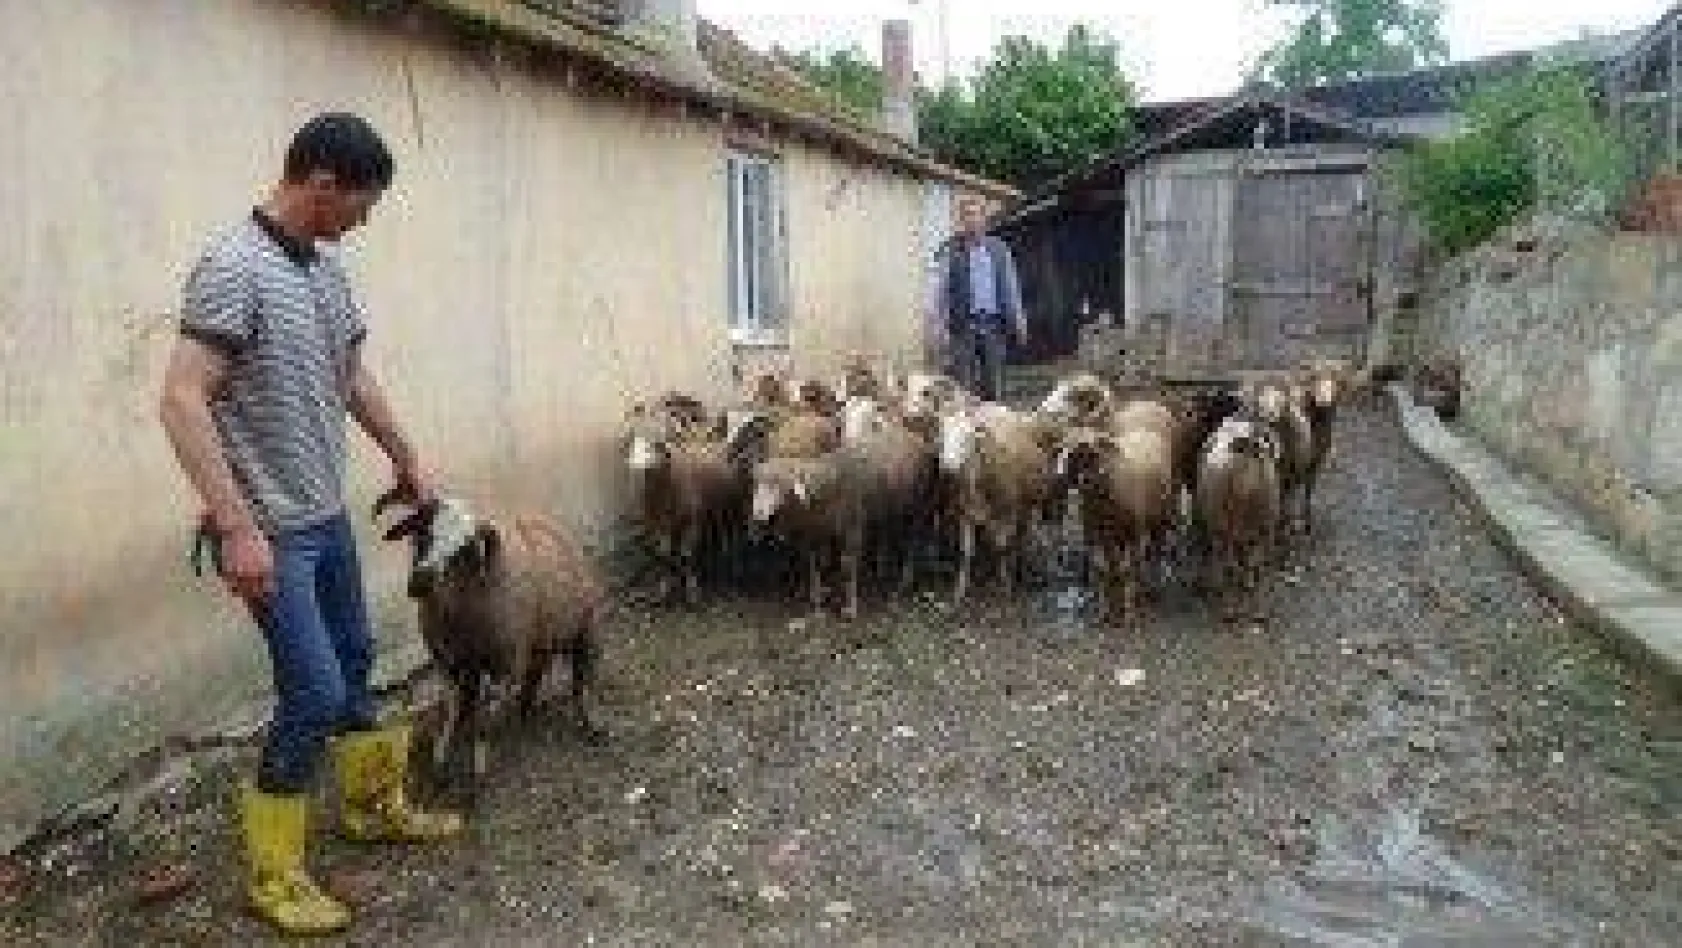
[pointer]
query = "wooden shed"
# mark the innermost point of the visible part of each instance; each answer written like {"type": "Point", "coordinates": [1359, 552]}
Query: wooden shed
{"type": "Point", "coordinates": [1247, 236]}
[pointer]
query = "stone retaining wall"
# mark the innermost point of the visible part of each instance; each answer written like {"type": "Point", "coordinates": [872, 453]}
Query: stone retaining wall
{"type": "Point", "coordinates": [1571, 343]}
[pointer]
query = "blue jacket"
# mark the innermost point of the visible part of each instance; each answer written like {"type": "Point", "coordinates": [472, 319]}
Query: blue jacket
{"type": "Point", "coordinates": [951, 294]}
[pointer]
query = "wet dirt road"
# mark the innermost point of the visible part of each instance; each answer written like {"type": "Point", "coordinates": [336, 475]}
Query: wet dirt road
{"type": "Point", "coordinates": [1418, 751]}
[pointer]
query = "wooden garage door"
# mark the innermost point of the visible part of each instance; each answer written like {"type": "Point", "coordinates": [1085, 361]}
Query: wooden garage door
{"type": "Point", "coordinates": [1297, 268]}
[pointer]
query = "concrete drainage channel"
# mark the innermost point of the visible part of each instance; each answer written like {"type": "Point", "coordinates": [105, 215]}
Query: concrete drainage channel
{"type": "Point", "coordinates": [1641, 619]}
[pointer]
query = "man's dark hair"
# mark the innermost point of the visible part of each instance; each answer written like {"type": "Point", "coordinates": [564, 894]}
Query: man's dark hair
{"type": "Point", "coordinates": [344, 145]}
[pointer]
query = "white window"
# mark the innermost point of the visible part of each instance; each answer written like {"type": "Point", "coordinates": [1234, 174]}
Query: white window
{"type": "Point", "coordinates": [757, 251]}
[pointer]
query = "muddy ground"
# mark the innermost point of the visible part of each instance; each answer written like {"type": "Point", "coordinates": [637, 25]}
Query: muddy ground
{"type": "Point", "coordinates": [1419, 747]}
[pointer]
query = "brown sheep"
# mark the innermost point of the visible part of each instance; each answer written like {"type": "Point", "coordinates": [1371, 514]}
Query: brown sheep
{"type": "Point", "coordinates": [1126, 480]}
{"type": "Point", "coordinates": [998, 465]}
{"type": "Point", "coordinates": [817, 509]}
{"type": "Point", "coordinates": [500, 595]}
{"type": "Point", "coordinates": [896, 470]}
{"type": "Point", "coordinates": [804, 433]}
{"type": "Point", "coordinates": [1240, 501]}
{"type": "Point", "coordinates": [1325, 387]}
{"type": "Point", "coordinates": [688, 491]}
{"type": "Point", "coordinates": [1275, 403]}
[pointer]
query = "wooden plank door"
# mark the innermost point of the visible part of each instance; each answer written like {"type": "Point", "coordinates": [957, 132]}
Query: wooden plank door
{"type": "Point", "coordinates": [1298, 267]}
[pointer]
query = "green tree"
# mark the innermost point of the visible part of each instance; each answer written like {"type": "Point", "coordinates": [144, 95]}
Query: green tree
{"type": "Point", "coordinates": [1036, 112]}
{"type": "Point", "coordinates": [1530, 140]}
{"type": "Point", "coordinates": [1344, 39]}
{"type": "Point", "coordinates": [1032, 113]}
{"type": "Point", "coordinates": [847, 74]}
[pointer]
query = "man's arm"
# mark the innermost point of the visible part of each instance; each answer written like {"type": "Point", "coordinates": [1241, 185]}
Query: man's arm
{"type": "Point", "coordinates": [368, 405]}
{"type": "Point", "coordinates": [1013, 290]}
{"type": "Point", "coordinates": [195, 373]}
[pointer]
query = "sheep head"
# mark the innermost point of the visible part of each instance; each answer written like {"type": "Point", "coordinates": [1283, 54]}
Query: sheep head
{"type": "Point", "coordinates": [858, 378]}
{"type": "Point", "coordinates": [928, 394]}
{"type": "Point", "coordinates": [648, 442]}
{"type": "Point", "coordinates": [862, 417]}
{"type": "Point", "coordinates": [1242, 437]}
{"type": "Point", "coordinates": [444, 535]}
{"type": "Point", "coordinates": [778, 484]}
{"type": "Point", "coordinates": [814, 395]}
{"type": "Point", "coordinates": [1085, 455]}
{"type": "Point", "coordinates": [1083, 399]}
{"type": "Point", "coordinates": [767, 390]}
{"type": "Point", "coordinates": [959, 432]}
{"type": "Point", "coordinates": [746, 435]}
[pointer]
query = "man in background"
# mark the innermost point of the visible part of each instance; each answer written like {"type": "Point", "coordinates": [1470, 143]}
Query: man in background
{"type": "Point", "coordinates": [978, 303]}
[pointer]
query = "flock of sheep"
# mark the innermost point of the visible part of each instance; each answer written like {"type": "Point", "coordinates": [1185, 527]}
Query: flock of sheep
{"type": "Point", "coordinates": [869, 470]}
{"type": "Point", "coordinates": [872, 468]}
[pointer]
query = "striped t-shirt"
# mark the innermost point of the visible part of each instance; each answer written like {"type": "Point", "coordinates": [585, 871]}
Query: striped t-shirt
{"type": "Point", "coordinates": [284, 314]}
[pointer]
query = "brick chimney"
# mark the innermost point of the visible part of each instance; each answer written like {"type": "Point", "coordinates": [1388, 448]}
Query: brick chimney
{"type": "Point", "coordinates": [899, 83]}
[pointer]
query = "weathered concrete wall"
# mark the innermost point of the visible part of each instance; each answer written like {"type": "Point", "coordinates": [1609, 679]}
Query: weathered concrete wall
{"type": "Point", "coordinates": [1573, 364]}
{"type": "Point", "coordinates": [544, 258]}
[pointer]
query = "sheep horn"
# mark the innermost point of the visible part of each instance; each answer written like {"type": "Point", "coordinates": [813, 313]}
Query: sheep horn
{"type": "Point", "coordinates": [385, 500]}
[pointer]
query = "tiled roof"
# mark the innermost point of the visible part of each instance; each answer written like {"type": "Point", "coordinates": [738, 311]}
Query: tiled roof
{"type": "Point", "coordinates": [742, 80]}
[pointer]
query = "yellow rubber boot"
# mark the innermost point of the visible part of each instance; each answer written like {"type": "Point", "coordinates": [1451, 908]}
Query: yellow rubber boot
{"type": "Point", "coordinates": [372, 771]}
{"type": "Point", "coordinates": [277, 885]}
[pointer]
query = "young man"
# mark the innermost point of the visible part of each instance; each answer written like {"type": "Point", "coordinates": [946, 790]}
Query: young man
{"type": "Point", "coordinates": [978, 300]}
{"type": "Point", "coordinates": [266, 367]}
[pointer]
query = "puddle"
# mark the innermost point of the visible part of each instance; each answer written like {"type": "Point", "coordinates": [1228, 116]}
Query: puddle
{"type": "Point", "coordinates": [1389, 885]}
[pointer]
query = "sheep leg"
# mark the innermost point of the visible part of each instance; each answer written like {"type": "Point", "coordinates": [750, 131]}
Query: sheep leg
{"type": "Point", "coordinates": [815, 578]}
{"type": "Point", "coordinates": [468, 732]}
{"type": "Point", "coordinates": [852, 555]}
{"type": "Point", "coordinates": [906, 546]}
{"type": "Point", "coordinates": [581, 654]}
{"type": "Point", "coordinates": [966, 556]}
{"type": "Point", "coordinates": [1308, 505]}
{"type": "Point", "coordinates": [689, 560]}
{"type": "Point", "coordinates": [531, 682]}
{"type": "Point", "coordinates": [1226, 575]}
{"type": "Point", "coordinates": [1006, 541]}
{"type": "Point", "coordinates": [1129, 581]}
{"type": "Point", "coordinates": [668, 566]}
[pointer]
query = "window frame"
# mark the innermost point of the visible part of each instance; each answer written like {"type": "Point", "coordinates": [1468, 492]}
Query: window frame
{"type": "Point", "coordinates": [756, 249]}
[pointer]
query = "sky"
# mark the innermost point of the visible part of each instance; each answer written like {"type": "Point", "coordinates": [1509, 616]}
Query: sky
{"type": "Point", "coordinates": [1171, 48]}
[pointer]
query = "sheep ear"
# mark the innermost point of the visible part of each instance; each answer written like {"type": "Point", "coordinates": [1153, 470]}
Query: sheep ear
{"type": "Point", "coordinates": [487, 543]}
{"type": "Point", "coordinates": [385, 500]}
{"type": "Point", "coordinates": [408, 526]}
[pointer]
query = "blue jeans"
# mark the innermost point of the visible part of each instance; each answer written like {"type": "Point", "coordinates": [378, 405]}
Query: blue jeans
{"type": "Point", "coordinates": [321, 649]}
{"type": "Point", "coordinates": [978, 358]}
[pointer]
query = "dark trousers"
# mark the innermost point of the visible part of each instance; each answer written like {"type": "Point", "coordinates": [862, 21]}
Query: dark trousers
{"type": "Point", "coordinates": [321, 650]}
{"type": "Point", "coordinates": [978, 357]}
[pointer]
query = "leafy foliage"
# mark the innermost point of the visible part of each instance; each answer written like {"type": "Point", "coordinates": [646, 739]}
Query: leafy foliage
{"type": "Point", "coordinates": [845, 73]}
{"type": "Point", "coordinates": [1534, 139]}
{"type": "Point", "coordinates": [1344, 39]}
{"type": "Point", "coordinates": [1032, 113]}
